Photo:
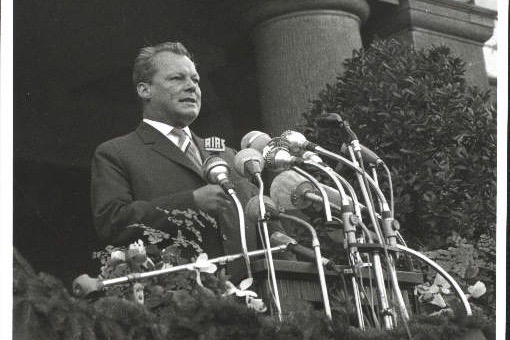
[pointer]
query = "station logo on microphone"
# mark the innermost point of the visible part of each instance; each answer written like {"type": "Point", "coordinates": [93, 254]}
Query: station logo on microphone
{"type": "Point", "coordinates": [214, 144]}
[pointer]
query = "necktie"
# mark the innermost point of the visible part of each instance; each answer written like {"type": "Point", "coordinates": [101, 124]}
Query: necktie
{"type": "Point", "coordinates": [188, 147]}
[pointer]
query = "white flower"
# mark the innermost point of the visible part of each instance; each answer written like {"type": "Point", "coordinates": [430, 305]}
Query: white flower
{"type": "Point", "coordinates": [138, 295]}
{"type": "Point", "coordinates": [256, 304]}
{"type": "Point", "coordinates": [438, 301]}
{"type": "Point", "coordinates": [477, 290]}
{"type": "Point", "coordinates": [204, 265]}
{"type": "Point", "coordinates": [242, 290]}
{"type": "Point", "coordinates": [118, 255]}
{"type": "Point", "coordinates": [250, 296]}
{"type": "Point", "coordinates": [444, 286]}
{"type": "Point", "coordinates": [138, 245]}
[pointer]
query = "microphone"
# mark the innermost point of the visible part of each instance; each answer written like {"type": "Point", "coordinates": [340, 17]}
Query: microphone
{"type": "Point", "coordinates": [248, 162]}
{"type": "Point", "coordinates": [313, 157]}
{"type": "Point", "coordinates": [256, 140]}
{"type": "Point", "coordinates": [289, 190]}
{"type": "Point", "coordinates": [278, 239]}
{"type": "Point", "coordinates": [252, 209]}
{"type": "Point", "coordinates": [296, 141]}
{"type": "Point", "coordinates": [277, 156]}
{"type": "Point", "coordinates": [329, 119]}
{"type": "Point", "coordinates": [216, 170]}
{"type": "Point", "coordinates": [369, 156]}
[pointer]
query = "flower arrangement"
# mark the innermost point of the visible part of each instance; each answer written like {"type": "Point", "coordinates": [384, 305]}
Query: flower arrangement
{"type": "Point", "coordinates": [163, 250]}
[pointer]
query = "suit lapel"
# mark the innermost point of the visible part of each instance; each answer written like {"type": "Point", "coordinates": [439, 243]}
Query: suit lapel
{"type": "Point", "coordinates": [199, 142]}
{"type": "Point", "coordinates": [160, 144]}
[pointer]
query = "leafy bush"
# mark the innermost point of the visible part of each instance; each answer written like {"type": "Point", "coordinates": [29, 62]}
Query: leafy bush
{"type": "Point", "coordinates": [436, 134]}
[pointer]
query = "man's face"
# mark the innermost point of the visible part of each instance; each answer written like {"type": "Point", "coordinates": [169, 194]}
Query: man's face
{"type": "Point", "coordinates": [174, 94]}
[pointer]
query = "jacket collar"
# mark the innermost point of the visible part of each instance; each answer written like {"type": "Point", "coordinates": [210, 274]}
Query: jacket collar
{"type": "Point", "coordinates": [160, 144]}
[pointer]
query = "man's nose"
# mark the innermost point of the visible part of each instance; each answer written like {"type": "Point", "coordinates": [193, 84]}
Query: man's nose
{"type": "Point", "coordinates": [191, 86]}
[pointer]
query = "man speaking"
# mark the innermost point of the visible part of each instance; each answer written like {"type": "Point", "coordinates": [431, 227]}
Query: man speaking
{"type": "Point", "coordinates": [156, 168]}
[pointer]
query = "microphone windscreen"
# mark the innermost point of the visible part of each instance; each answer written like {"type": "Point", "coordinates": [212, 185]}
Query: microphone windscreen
{"type": "Point", "coordinates": [285, 189]}
{"type": "Point", "coordinates": [213, 166]}
{"type": "Point", "coordinates": [252, 209]}
{"type": "Point", "coordinates": [248, 161]}
{"type": "Point", "coordinates": [256, 140]}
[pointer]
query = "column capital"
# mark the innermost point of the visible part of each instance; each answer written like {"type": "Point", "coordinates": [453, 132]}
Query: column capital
{"type": "Point", "coordinates": [257, 11]}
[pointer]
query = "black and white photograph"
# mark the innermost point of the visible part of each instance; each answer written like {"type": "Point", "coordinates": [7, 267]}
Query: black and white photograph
{"type": "Point", "coordinates": [254, 169]}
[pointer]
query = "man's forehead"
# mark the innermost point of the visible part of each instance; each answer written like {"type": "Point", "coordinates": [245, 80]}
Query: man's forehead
{"type": "Point", "coordinates": [173, 60]}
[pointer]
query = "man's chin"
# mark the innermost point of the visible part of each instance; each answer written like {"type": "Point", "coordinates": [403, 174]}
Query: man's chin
{"type": "Point", "coordinates": [186, 118]}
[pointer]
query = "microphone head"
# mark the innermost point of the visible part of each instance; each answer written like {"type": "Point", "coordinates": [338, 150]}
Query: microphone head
{"type": "Point", "coordinates": [296, 141]}
{"type": "Point", "coordinates": [370, 156]}
{"type": "Point", "coordinates": [279, 239]}
{"type": "Point", "coordinates": [252, 209]}
{"type": "Point", "coordinates": [277, 159]}
{"type": "Point", "coordinates": [248, 162]}
{"type": "Point", "coordinates": [276, 155]}
{"type": "Point", "coordinates": [256, 140]}
{"type": "Point", "coordinates": [288, 188]}
{"type": "Point", "coordinates": [215, 169]}
{"type": "Point", "coordinates": [329, 119]}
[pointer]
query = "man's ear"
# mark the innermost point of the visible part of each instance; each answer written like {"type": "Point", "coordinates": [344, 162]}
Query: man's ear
{"type": "Point", "coordinates": [144, 90]}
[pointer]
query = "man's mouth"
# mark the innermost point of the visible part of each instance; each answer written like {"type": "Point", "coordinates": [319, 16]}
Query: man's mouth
{"type": "Point", "coordinates": [188, 100]}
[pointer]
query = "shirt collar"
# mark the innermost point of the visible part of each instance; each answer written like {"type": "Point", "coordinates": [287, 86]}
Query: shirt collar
{"type": "Point", "coordinates": [165, 129]}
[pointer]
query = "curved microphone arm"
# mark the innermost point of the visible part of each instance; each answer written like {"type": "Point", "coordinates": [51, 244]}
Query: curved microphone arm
{"type": "Point", "coordinates": [378, 191]}
{"type": "Point", "coordinates": [443, 273]}
{"type": "Point", "coordinates": [348, 223]}
{"type": "Point", "coordinates": [318, 261]}
{"type": "Point", "coordinates": [356, 168]}
{"type": "Point", "coordinates": [325, 198]}
{"type": "Point", "coordinates": [269, 255]}
{"type": "Point", "coordinates": [354, 197]}
{"type": "Point", "coordinates": [242, 231]}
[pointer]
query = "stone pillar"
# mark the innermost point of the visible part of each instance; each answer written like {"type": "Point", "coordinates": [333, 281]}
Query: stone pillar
{"type": "Point", "coordinates": [299, 48]}
{"type": "Point", "coordinates": [462, 26]}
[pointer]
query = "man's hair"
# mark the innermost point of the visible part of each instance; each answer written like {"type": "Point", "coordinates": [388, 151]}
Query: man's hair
{"type": "Point", "coordinates": [144, 68]}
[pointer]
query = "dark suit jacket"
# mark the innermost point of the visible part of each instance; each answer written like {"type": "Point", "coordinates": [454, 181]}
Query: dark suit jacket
{"type": "Point", "coordinates": [135, 173]}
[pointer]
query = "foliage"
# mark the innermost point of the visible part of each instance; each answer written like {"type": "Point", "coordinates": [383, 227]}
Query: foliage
{"type": "Point", "coordinates": [196, 271]}
{"type": "Point", "coordinates": [43, 309]}
{"type": "Point", "coordinates": [470, 265]}
{"type": "Point", "coordinates": [436, 134]}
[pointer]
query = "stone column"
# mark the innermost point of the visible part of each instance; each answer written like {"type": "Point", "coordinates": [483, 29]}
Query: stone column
{"type": "Point", "coordinates": [299, 48]}
{"type": "Point", "coordinates": [460, 25]}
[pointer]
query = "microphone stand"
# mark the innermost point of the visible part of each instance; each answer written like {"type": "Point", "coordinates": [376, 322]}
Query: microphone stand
{"type": "Point", "coordinates": [349, 222]}
{"type": "Point", "coordinates": [267, 245]}
{"type": "Point", "coordinates": [242, 231]}
{"type": "Point", "coordinates": [318, 261]}
{"type": "Point", "coordinates": [391, 235]}
{"type": "Point", "coordinates": [362, 179]}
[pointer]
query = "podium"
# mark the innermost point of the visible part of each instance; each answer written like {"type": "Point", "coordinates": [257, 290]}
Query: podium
{"type": "Point", "coordinates": [298, 283]}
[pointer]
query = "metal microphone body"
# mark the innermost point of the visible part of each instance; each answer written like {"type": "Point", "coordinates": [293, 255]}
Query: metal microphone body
{"type": "Point", "coordinates": [297, 141]}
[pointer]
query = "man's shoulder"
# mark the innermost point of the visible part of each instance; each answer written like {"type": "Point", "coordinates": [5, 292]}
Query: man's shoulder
{"type": "Point", "coordinates": [120, 141]}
